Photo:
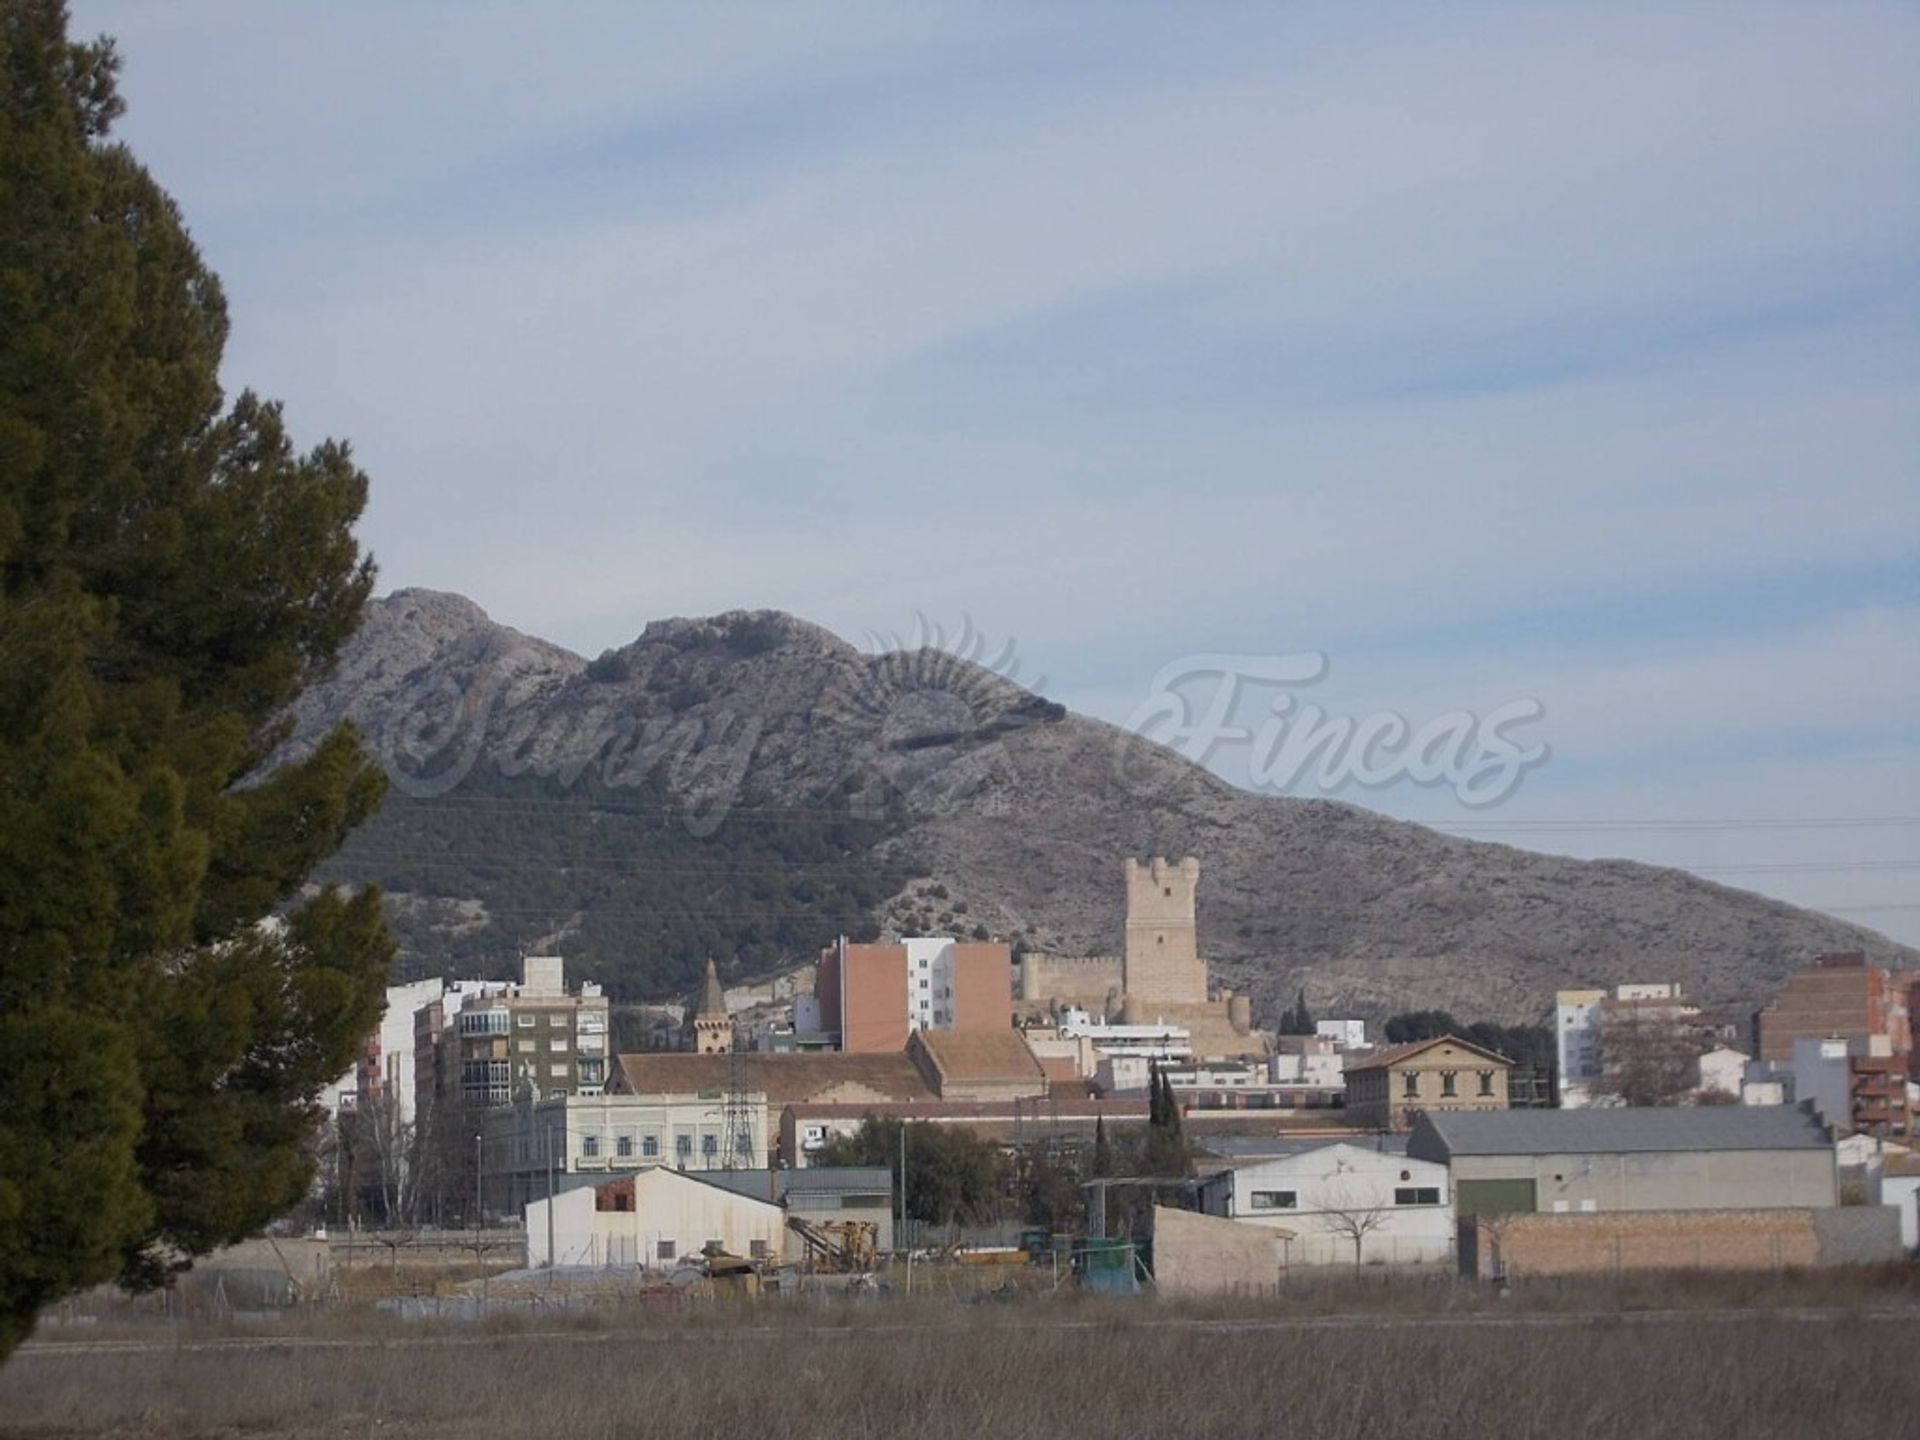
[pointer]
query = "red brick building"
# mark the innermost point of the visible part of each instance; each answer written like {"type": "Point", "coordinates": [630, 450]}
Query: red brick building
{"type": "Point", "coordinates": [873, 996]}
{"type": "Point", "coordinates": [1837, 997]}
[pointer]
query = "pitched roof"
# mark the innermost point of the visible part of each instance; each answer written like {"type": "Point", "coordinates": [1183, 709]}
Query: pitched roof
{"type": "Point", "coordinates": [1621, 1130]}
{"type": "Point", "coordinates": [785, 1079]}
{"type": "Point", "coordinates": [713, 1000]}
{"type": "Point", "coordinates": [1394, 1054]}
{"type": "Point", "coordinates": [977, 1055]}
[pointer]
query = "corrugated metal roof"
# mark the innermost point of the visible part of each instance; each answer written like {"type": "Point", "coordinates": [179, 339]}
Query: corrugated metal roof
{"type": "Point", "coordinates": [1615, 1131]}
{"type": "Point", "coordinates": [801, 1184]}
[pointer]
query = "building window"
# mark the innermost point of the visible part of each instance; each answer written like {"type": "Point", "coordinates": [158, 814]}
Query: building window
{"type": "Point", "coordinates": [757, 1249]}
{"type": "Point", "coordinates": [665, 1250]}
{"type": "Point", "coordinates": [1418, 1195]}
{"type": "Point", "coordinates": [683, 1146]}
{"type": "Point", "coordinates": [524, 1020]}
{"type": "Point", "coordinates": [1275, 1199]}
{"type": "Point", "coordinates": [649, 1147]}
{"type": "Point", "coordinates": [623, 1146]}
{"type": "Point", "coordinates": [709, 1144]}
{"type": "Point", "coordinates": [589, 1145]}
{"type": "Point", "coordinates": [1410, 1085]}
{"type": "Point", "coordinates": [558, 1043]}
{"type": "Point", "coordinates": [559, 1072]}
{"type": "Point", "coordinates": [1486, 1082]}
{"type": "Point", "coordinates": [1447, 1078]}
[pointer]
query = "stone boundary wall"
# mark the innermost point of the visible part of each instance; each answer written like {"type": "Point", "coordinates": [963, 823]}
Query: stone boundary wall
{"type": "Point", "coordinates": [1205, 1255]}
{"type": "Point", "coordinates": [1618, 1242]}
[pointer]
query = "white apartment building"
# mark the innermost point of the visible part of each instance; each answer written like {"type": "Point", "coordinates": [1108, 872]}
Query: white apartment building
{"type": "Point", "coordinates": [1311, 1067]}
{"type": "Point", "coordinates": [1576, 1029]}
{"type": "Point", "coordinates": [386, 1064]}
{"type": "Point", "coordinates": [1581, 1015]}
{"type": "Point", "coordinates": [929, 982]}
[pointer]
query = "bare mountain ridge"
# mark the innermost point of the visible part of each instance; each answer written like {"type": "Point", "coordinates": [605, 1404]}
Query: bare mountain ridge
{"type": "Point", "coordinates": [989, 806]}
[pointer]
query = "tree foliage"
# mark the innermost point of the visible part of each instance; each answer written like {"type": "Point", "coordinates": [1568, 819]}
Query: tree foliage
{"type": "Point", "coordinates": [171, 574]}
{"type": "Point", "coordinates": [642, 899]}
{"type": "Point", "coordinates": [1646, 1060]}
{"type": "Point", "coordinates": [953, 1176]}
{"type": "Point", "coordinates": [1166, 1151]}
{"type": "Point", "coordinates": [1297, 1019]}
{"type": "Point", "coordinates": [1528, 1046]}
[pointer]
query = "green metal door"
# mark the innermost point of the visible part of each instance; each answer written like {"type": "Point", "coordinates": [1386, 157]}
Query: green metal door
{"type": "Point", "coordinates": [1493, 1197]}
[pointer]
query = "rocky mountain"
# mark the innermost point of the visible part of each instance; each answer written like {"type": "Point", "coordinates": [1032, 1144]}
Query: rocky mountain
{"type": "Point", "coordinates": [750, 785]}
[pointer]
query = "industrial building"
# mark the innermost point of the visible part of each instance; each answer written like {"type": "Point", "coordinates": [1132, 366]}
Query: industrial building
{"type": "Point", "coordinates": [1342, 1204]}
{"type": "Point", "coordinates": [1735, 1157]}
{"type": "Point", "coordinates": [654, 1219]}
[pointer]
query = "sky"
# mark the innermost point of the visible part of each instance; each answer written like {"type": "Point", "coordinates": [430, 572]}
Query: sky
{"type": "Point", "coordinates": [1555, 362]}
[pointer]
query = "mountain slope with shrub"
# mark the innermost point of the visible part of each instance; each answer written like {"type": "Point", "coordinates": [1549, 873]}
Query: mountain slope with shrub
{"type": "Point", "coordinates": [749, 786]}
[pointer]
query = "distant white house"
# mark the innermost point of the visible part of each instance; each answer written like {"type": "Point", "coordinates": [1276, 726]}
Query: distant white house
{"type": "Point", "coordinates": [1397, 1210]}
{"type": "Point", "coordinates": [1347, 1034]}
{"type": "Point", "coordinates": [1723, 1070]}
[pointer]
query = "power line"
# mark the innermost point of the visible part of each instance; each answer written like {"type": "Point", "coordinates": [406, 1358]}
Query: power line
{"type": "Point", "coordinates": [1830, 822]}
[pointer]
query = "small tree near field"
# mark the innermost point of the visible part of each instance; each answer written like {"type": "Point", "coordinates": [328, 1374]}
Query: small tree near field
{"type": "Point", "coordinates": [1353, 1218]}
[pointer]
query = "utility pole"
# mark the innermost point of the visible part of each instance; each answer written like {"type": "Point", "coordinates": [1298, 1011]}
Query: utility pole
{"type": "Point", "coordinates": [903, 1196]}
{"type": "Point", "coordinates": [550, 1254]}
{"type": "Point", "coordinates": [478, 1173]}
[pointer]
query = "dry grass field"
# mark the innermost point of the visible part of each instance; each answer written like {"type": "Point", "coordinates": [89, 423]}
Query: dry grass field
{"type": "Point", "coordinates": [1778, 1360]}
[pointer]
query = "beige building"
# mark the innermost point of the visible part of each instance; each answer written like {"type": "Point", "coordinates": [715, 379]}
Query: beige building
{"type": "Point", "coordinates": [1163, 965]}
{"type": "Point", "coordinates": [1388, 1087]}
{"type": "Point", "coordinates": [607, 1134]}
{"type": "Point", "coordinates": [1160, 980]}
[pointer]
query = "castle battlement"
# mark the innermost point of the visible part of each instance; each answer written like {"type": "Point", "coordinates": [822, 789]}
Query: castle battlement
{"type": "Point", "coordinates": [1163, 963]}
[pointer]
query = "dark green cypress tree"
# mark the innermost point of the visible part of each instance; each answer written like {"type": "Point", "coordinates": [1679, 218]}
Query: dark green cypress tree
{"type": "Point", "coordinates": [171, 574]}
{"type": "Point", "coordinates": [1102, 1149]}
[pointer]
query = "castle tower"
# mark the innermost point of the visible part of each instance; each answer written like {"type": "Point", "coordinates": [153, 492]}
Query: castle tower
{"type": "Point", "coordinates": [712, 1029]}
{"type": "Point", "coordinates": [1163, 964]}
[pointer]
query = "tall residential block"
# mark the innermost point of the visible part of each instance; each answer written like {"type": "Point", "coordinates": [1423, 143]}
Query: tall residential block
{"type": "Point", "coordinates": [1163, 964]}
{"type": "Point", "coordinates": [1837, 997]}
{"type": "Point", "coordinates": [874, 996]}
{"type": "Point", "coordinates": [484, 1042]}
